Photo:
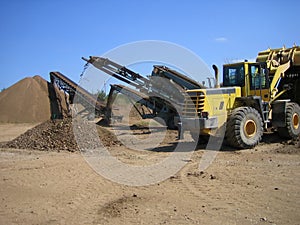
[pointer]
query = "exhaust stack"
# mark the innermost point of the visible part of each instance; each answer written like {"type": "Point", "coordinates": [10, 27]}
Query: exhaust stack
{"type": "Point", "coordinates": [217, 85]}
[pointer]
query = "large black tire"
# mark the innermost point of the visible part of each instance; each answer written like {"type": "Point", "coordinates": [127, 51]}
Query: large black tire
{"type": "Point", "coordinates": [244, 128]}
{"type": "Point", "coordinates": [292, 127]}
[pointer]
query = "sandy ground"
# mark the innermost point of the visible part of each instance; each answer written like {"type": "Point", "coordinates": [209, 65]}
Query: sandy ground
{"type": "Point", "coordinates": [9, 131]}
{"type": "Point", "coordinates": [259, 186]}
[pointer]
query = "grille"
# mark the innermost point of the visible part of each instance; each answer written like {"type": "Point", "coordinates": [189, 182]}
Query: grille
{"type": "Point", "coordinates": [194, 104]}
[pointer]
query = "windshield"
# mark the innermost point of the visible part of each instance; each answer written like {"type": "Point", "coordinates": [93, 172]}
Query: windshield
{"type": "Point", "coordinates": [234, 75]}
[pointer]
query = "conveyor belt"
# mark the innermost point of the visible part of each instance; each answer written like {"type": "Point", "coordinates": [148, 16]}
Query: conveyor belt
{"type": "Point", "coordinates": [87, 99]}
{"type": "Point", "coordinates": [162, 88]}
{"type": "Point", "coordinates": [165, 88]}
{"type": "Point", "coordinates": [179, 78]}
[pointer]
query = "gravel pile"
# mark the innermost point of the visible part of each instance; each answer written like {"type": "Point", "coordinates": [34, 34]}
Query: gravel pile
{"type": "Point", "coordinates": [59, 135]}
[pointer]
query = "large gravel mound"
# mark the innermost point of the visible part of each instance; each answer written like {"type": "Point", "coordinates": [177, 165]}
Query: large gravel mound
{"type": "Point", "coordinates": [58, 135]}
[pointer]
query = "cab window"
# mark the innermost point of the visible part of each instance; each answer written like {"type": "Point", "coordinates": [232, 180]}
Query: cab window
{"type": "Point", "coordinates": [234, 76]}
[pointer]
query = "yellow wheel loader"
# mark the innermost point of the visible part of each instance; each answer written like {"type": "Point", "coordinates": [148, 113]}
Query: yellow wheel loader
{"type": "Point", "coordinates": [253, 96]}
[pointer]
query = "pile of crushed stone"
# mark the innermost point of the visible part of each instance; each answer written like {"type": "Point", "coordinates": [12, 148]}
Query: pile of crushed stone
{"type": "Point", "coordinates": [59, 135]}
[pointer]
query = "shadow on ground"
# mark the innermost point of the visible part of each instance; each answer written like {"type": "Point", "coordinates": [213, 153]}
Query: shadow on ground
{"type": "Point", "coordinates": [268, 138]}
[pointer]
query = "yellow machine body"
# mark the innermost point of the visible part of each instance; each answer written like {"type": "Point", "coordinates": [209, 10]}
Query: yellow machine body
{"type": "Point", "coordinates": [257, 85]}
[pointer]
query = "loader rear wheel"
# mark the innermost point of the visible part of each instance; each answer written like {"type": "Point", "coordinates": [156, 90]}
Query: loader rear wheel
{"type": "Point", "coordinates": [292, 117]}
{"type": "Point", "coordinates": [244, 128]}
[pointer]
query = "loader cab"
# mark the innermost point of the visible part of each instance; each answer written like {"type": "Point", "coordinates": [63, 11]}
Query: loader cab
{"type": "Point", "coordinates": [251, 77]}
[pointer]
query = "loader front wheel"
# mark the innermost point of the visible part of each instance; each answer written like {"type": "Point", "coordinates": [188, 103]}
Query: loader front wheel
{"type": "Point", "coordinates": [244, 128]}
{"type": "Point", "coordinates": [292, 117]}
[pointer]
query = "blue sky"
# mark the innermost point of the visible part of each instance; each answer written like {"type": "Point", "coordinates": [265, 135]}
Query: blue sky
{"type": "Point", "coordinates": [42, 36]}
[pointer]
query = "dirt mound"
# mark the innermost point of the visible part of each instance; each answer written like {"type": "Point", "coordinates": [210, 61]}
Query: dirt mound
{"type": "Point", "coordinates": [32, 100]}
{"type": "Point", "coordinates": [58, 135]}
